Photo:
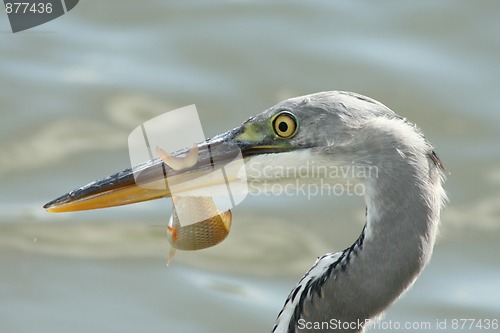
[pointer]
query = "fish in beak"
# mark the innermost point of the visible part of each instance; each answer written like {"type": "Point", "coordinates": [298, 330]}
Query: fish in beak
{"type": "Point", "coordinates": [191, 178]}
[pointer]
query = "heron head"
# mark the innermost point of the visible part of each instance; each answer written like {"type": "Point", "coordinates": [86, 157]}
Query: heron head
{"type": "Point", "coordinates": [296, 138]}
{"type": "Point", "coordinates": [328, 137]}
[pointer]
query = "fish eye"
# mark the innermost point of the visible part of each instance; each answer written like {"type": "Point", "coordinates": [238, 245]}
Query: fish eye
{"type": "Point", "coordinates": [285, 124]}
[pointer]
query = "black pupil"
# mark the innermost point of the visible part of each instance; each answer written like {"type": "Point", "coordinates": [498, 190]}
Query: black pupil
{"type": "Point", "coordinates": [283, 126]}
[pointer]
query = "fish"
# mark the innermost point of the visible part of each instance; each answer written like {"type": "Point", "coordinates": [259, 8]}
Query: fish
{"type": "Point", "coordinates": [201, 224]}
{"type": "Point", "coordinates": [199, 235]}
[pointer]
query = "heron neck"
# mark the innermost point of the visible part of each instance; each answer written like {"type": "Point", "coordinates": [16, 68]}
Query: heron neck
{"type": "Point", "coordinates": [395, 245]}
{"type": "Point", "coordinates": [398, 240]}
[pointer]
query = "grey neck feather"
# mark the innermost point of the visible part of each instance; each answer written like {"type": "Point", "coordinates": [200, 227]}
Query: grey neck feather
{"type": "Point", "coordinates": [396, 243]}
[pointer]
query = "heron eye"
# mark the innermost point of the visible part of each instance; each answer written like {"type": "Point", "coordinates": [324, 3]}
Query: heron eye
{"type": "Point", "coordinates": [285, 125]}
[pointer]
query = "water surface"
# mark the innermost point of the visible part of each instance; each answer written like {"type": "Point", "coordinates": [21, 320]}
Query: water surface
{"type": "Point", "coordinates": [72, 90]}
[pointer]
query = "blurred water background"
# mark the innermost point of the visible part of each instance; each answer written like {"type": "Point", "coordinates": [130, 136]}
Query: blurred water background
{"type": "Point", "coordinates": [73, 89]}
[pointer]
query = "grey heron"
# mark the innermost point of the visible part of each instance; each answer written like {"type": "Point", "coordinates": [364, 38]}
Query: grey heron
{"type": "Point", "coordinates": [338, 130]}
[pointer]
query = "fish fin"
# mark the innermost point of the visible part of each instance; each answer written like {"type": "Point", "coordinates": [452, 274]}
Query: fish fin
{"type": "Point", "coordinates": [171, 254]}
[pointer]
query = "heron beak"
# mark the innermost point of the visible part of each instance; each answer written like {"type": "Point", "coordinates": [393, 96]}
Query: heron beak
{"type": "Point", "coordinates": [155, 179]}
